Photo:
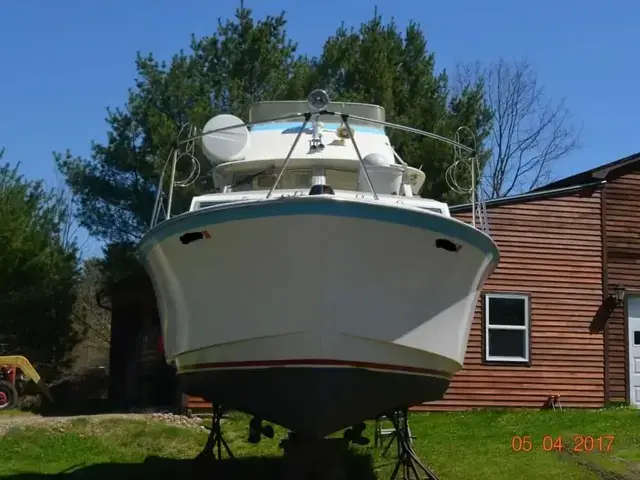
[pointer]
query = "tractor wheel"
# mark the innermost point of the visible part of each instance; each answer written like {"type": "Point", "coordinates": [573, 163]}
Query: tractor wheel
{"type": "Point", "coordinates": [8, 395]}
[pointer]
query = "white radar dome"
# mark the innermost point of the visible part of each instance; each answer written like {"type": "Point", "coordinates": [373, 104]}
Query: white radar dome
{"type": "Point", "coordinates": [227, 145]}
{"type": "Point", "coordinates": [376, 159]}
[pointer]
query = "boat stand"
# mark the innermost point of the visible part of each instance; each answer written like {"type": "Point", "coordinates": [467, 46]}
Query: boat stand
{"type": "Point", "coordinates": [313, 458]}
{"type": "Point", "coordinates": [407, 460]}
{"type": "Point", "coordinates": [215, 441]}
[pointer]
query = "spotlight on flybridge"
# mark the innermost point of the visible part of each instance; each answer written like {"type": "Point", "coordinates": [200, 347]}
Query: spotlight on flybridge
{"type": "Point", "coordinates": [318, 99]}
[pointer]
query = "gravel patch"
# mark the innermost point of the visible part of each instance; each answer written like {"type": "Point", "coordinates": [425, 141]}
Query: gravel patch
{"type": "Point", "coordinates": [10, 421]}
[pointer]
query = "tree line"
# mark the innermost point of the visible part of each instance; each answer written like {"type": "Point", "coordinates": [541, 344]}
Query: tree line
{"type": "Point", "coordinates": [48, 302]}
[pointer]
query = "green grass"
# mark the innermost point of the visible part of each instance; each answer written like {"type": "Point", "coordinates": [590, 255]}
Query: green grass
{"type": "Point", "coordinates": [465, 445]}
{"type": "Point", "coordinates": [13, 412]}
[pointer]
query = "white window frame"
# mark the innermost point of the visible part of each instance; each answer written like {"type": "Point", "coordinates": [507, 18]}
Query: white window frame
{"type": "Point", "coordinates": [487, 327]}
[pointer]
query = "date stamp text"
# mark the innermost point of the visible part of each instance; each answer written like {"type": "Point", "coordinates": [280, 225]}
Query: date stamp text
{"type": "Point", "coordinates": [558, 443]}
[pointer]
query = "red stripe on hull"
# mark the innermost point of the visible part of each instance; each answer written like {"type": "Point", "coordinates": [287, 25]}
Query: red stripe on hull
{"type": "Point", "coordinates": [315, 362]}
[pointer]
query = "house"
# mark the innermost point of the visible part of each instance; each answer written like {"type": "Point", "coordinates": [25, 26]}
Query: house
{"type": "Point", "coordinates": [559, 316]}
{"type": "Point", "coordinates": [561, 313]}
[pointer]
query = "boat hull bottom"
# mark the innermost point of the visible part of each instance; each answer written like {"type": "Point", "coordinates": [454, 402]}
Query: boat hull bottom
{"type": "Point", "coordinates": [313, 401]}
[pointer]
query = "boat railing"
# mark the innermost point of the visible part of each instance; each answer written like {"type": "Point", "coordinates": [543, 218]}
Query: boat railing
{"type": "Point", "coordinates": [465, 157]}
{"type": "Point", "coordinates": [479, 217]}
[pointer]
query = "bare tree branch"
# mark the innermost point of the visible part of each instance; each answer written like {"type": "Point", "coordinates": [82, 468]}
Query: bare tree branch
{"type": "Point", "coordinates": [70, 226]}
{"type": "Point", "coordinates": [530, 132]}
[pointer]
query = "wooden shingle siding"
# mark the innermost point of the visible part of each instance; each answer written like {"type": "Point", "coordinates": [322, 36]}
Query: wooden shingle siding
{"type": "Point", "coordinates": [197, 404]}
{"type": "Point", "coordinates": [550, 249]}
{"type": "Point", "coordinates": [622, 241]}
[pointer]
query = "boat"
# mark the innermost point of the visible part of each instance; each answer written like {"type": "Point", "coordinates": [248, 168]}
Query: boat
{"type": "Point", "coordinates": [314, 287]}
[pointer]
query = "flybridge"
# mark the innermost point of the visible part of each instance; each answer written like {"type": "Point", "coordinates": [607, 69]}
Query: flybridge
{"type": "Point", "coordinates": [313, 146]}
{"type": "Point", "coordinates": [320, 141]}
{"type": "Point", "coordinates": [323, 139]}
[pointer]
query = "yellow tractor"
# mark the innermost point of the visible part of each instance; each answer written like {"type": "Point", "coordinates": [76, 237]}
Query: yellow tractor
{"type": "Point", "coordinates": [15, 373]}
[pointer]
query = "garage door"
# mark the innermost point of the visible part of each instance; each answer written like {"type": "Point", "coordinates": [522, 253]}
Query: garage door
{"type": "Point", "coordinates": [633, 309]}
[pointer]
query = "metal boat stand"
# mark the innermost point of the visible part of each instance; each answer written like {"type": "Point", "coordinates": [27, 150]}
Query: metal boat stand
{"type": "Point", "coordinates": [407, 460]}
{"type": "Point", "coordinates": [313, 458]}
{"type": "Point", "coordinates": [215, 441]}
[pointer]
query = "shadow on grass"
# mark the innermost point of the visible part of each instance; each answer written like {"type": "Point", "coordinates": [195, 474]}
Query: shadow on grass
{"type": "Point", "coordinates": [61, 409]}
{"type": "Point", "coordinates": [357, 466]}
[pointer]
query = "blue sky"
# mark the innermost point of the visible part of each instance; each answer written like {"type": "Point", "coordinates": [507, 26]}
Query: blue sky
{"type": "Point", "coordinates": [63, 63]}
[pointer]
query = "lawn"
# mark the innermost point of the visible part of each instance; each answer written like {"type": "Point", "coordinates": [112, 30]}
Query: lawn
{"type": "Point", "coordinates": [13, 412]}
{"type": "Point", "coordinates": [466, 445]}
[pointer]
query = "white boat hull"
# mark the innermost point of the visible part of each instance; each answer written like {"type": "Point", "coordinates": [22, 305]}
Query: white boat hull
{"type": "Point", "coordinates": [314, 312]}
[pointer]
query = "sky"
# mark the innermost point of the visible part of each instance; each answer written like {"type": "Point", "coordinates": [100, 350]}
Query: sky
{"type": "Point", "coordinates": [63, 63]}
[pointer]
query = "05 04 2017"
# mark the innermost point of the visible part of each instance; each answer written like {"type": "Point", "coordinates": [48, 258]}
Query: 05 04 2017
{"type": "Point", "coordinates": [551, 443]}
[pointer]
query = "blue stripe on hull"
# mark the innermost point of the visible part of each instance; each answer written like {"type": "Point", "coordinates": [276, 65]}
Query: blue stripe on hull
{"type": "Point", "coordinates": [318, 206]}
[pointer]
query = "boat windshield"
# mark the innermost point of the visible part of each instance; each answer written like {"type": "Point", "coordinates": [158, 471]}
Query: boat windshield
{"type": "Point", "coordinates": [292, 179]}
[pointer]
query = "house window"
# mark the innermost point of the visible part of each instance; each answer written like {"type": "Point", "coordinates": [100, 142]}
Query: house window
{"type": "Point", "coordinates": [506, 323]}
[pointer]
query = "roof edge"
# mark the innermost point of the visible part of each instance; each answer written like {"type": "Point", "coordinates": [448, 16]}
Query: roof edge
{"type": "Point", "coordinates": [598, 173]}
{"type": "Point", "coordinates": [533, 195]}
